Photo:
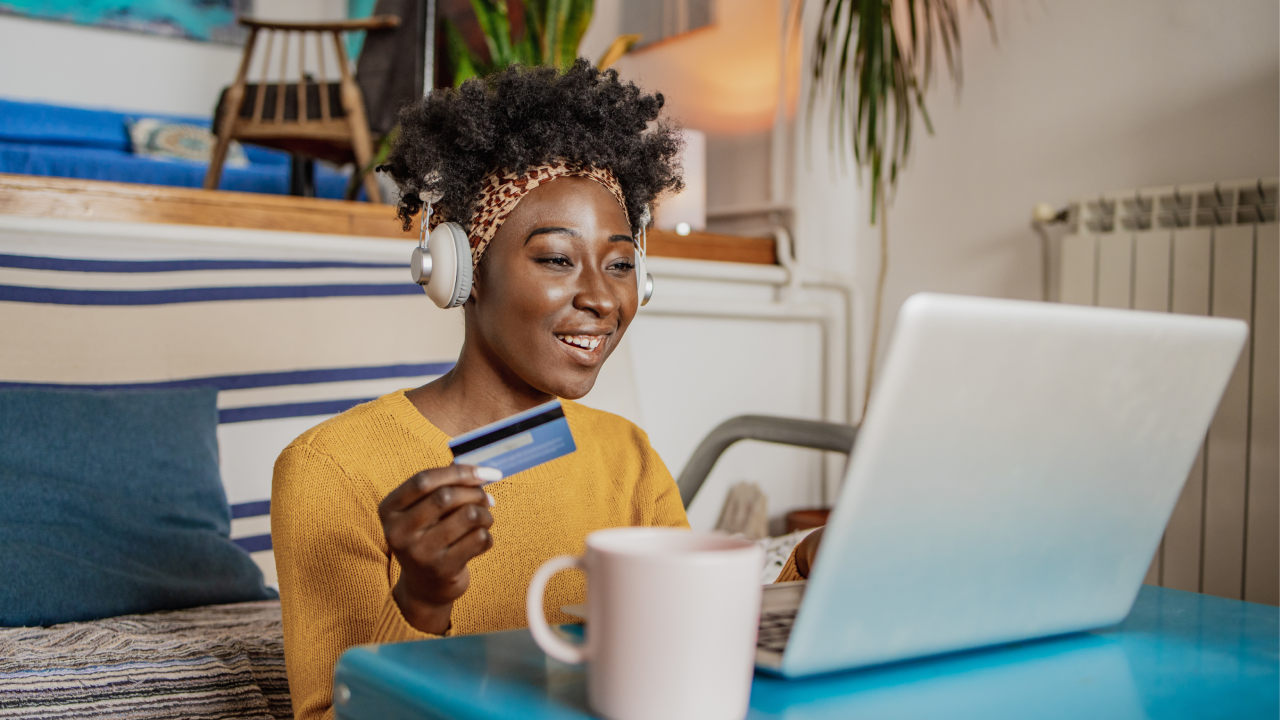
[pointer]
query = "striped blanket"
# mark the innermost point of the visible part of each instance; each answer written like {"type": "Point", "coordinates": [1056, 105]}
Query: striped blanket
{"type": "Point", "coordinates": [291, 328]}
{"type": "Point", "coordinates": [220, 661]}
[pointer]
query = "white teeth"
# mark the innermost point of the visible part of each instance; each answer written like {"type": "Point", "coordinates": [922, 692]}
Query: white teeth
{"type": "Point", "coordinates": [587, 342]}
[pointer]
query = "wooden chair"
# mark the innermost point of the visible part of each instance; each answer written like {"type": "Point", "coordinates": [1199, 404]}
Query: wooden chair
{"type": "Point", "coordinates": [308, 116]}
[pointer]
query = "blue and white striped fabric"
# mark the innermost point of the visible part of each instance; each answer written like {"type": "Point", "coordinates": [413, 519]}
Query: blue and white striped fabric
{"type": "Point", "coordinates": [291, 328]}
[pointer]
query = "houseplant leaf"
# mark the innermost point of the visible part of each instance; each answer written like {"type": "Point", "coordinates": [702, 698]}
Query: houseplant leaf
{"type": "Point", "coordinates": [620, 46]}
{"type": "Point", "coordinates": [496, 26]}
{"type": "Point", "coordinates": [535, 25]}
{"type": "Point", "coordinates": [465, 63]}
{"type": "Point", "coordinates": [575, 22]}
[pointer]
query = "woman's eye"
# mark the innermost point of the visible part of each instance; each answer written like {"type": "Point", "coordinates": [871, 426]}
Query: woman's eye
{"type": "Point", "coordinates": [622, 265]}
{"type": "Point", "coordinates": [558, 260]}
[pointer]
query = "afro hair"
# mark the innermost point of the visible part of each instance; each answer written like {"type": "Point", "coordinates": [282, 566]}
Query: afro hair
{"type": "Point", "coordinates": [524, 117]}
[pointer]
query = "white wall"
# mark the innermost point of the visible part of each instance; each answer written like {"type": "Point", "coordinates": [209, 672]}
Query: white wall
{"type": "Point", "coordinates": [83, 66]}
{"type": "Point", "coordinates": [824, 192]}
{"type": "Point", "coordinates": [606, 19]}
{"type": "Point", "coordinates": [1078, 97]}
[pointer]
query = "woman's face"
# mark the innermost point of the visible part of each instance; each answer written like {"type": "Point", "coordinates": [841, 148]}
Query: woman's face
{"type": "Point", "coordinates": [556, 288]}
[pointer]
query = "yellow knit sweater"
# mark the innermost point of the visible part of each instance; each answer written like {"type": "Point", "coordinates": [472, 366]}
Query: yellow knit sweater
{"type": "Point", "coordinates": [336, 571]}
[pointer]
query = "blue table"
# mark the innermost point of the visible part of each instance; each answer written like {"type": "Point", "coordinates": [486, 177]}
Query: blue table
{"type": "Point", "coordinates": [1178, 655]}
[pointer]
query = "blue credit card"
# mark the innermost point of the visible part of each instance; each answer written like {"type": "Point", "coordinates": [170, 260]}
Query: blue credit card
{"type": "Point", "coordinates": [517, 443]}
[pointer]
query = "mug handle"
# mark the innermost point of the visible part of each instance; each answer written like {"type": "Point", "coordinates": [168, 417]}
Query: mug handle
{"type": "Point", "coordinates": [547, 639]}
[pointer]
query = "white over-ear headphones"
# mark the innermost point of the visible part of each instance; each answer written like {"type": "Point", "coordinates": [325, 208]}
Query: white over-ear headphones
{"type": "Point", "coordinates": [441, 263]}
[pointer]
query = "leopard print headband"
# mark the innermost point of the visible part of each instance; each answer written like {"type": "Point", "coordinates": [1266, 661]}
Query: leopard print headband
{"type": "Point", "coordinates": [503, 190]}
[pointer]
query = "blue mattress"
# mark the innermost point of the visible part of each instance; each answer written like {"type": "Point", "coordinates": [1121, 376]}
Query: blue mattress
{"type": "Point", "coordinates": [57, 141]}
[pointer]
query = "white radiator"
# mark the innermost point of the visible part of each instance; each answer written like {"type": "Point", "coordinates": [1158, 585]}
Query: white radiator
{"type": "Point", "coordinates": [1203, 250]}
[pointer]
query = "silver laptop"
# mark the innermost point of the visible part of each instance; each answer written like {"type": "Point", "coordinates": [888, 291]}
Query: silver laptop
{"type": "Point", "coordinates": [1011, 480]}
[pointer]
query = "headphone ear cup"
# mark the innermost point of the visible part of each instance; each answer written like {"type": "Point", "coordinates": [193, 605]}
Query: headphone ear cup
{"type": "Point", "coordinates": [644, 281]}
{"type": "Point", "coordinates": [450, 283]}
{"type": "Point", "coordinates": [420, 266]}
{"type": "Point", "coordinates": [462, 274]}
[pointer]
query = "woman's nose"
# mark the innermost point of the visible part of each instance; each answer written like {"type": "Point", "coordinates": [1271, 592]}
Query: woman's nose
{"type": "Point", "coordinates": [596, 293]}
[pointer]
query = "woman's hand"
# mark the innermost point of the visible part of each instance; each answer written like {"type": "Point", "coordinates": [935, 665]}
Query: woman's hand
{"type": "Point", "coordinates": [435, 522]}
{"type": "Point", "coordinates": [806, 551]}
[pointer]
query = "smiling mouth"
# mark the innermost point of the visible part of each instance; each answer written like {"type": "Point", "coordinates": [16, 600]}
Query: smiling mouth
{"type": "Point", "coordinates": [585, 342]}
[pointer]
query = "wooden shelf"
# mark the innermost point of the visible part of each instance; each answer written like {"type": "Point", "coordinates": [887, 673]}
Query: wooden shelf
{"type": "Point", "coordinates": [709, 246]}
{"type": "Point", "coordinates": [74, 199]}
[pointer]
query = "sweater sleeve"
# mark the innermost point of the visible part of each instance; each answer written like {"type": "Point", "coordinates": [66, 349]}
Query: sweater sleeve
{"type": "Point", "coordinates": [335, 573]}
{"type": "Point", "coordinates": [662, 507]}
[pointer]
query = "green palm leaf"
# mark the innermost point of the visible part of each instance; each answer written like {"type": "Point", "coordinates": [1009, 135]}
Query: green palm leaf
{"type": "Point", "coordinates": [878, 63]}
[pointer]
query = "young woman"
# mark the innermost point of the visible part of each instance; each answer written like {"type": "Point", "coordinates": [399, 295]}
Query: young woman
{"type": "Point", "coordinates": [378, 536]}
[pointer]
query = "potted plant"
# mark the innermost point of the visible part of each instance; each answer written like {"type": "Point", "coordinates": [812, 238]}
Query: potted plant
{"type": "Point", "coordinates": [876, 59]}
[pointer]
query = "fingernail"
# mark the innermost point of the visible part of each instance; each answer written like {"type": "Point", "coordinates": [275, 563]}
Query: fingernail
{"type": "Point", "coordinates": [490, 500]}
{"type": "Point", "coordinates": [489, 474]}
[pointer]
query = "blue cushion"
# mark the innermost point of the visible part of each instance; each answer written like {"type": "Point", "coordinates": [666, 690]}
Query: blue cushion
{"type": "Point", "coordinates": [43, 124]}
{"type": "Point", "coordinates": [57, 141]}
{"type": "Point", "coordinates": [57, 125]}
{"type": "Point", "coordinates": [113, 505]}
{"type": "Point", "coordinates": [101, 164]}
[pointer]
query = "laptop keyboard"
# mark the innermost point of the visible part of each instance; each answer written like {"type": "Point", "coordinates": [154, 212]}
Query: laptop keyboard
{"type": "Point", "coordinates": [775, 628]}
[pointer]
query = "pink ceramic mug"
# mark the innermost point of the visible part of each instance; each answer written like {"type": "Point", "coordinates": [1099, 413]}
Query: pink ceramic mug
{"type": "Point", "coordinates": [671, 623]}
